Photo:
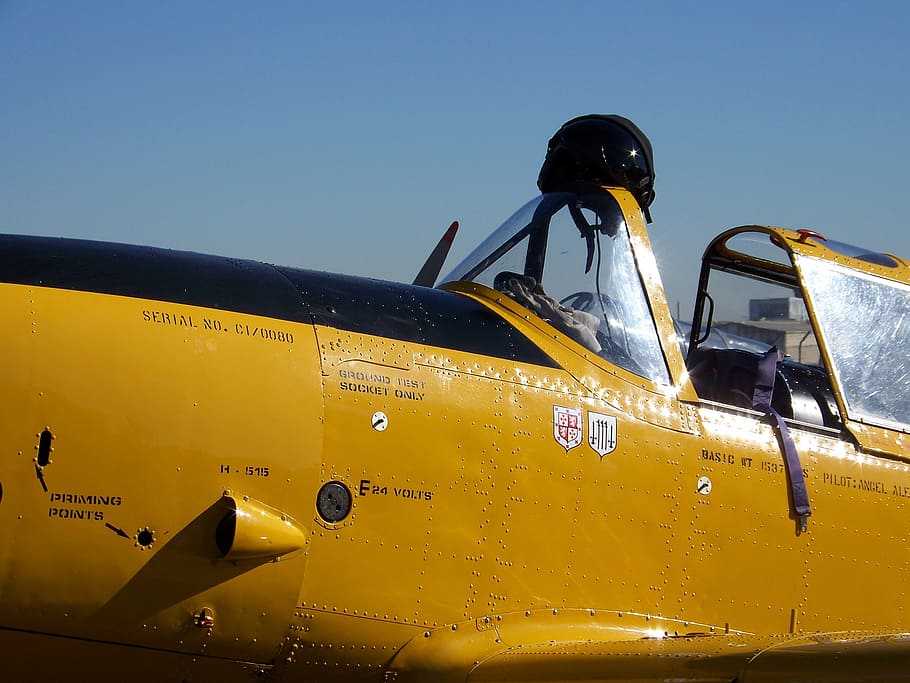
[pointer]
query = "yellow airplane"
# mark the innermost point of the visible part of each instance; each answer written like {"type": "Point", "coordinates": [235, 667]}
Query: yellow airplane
{"type": "Point", "coordinates": [220, 470]}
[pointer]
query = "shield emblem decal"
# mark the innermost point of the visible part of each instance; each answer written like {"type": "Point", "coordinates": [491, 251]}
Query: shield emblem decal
{"type": "Point", "coordinates": [567, 426]}
{"type": "Point", "coordinates": [602, 433]}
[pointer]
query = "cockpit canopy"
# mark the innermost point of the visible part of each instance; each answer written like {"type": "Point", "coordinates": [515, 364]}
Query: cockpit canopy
{"type": "Point", "coordinates": [839, 312]}
{"type": "Point", "coordinates": [568, 258]}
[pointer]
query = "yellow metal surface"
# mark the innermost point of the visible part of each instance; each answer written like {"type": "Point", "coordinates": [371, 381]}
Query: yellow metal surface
{"type": "Point", "coordinates": [151, 421]}
{"type": "Point", "coordinates": [251, 530]}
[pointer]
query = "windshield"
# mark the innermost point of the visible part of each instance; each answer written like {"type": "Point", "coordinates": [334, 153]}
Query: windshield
{"type": "Point", "coordinates": [568, 258]}
{"type": "Point", "coordinates": [863, 321]}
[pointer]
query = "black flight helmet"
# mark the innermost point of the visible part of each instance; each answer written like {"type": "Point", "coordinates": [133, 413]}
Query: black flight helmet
{"type": "Point", "coordinates": [604, 149]}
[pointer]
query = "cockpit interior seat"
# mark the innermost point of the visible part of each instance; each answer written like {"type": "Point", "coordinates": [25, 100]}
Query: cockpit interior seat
{"type": "Point", "coordinates": [801, 392]}
{"type": "Point", "coordinates": [728, 376]}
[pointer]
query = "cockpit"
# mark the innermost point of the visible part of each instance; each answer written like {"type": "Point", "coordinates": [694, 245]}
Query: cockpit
{"type": "Point", "coordinates": [838, 313]}
{"type": "Point", "coordinates": [568, 258]}
{"type": "Point", "coordinates": [578, 258]}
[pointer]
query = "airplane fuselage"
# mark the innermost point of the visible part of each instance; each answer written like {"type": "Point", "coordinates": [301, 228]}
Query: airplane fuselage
{"type": "Point", "coordinates": [500, 481]}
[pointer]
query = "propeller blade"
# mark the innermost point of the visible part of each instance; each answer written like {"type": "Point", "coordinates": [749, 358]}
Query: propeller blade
{"type": "Point", "coordinates": [430, 271]}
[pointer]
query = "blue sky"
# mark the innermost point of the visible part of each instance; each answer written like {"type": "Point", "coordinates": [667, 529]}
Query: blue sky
{"type": "Point", "coordinates": [346, 136]}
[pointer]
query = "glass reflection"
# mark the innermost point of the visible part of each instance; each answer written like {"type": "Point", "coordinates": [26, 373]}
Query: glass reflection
{"type": "Point", "coordinates": [863, 321]}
